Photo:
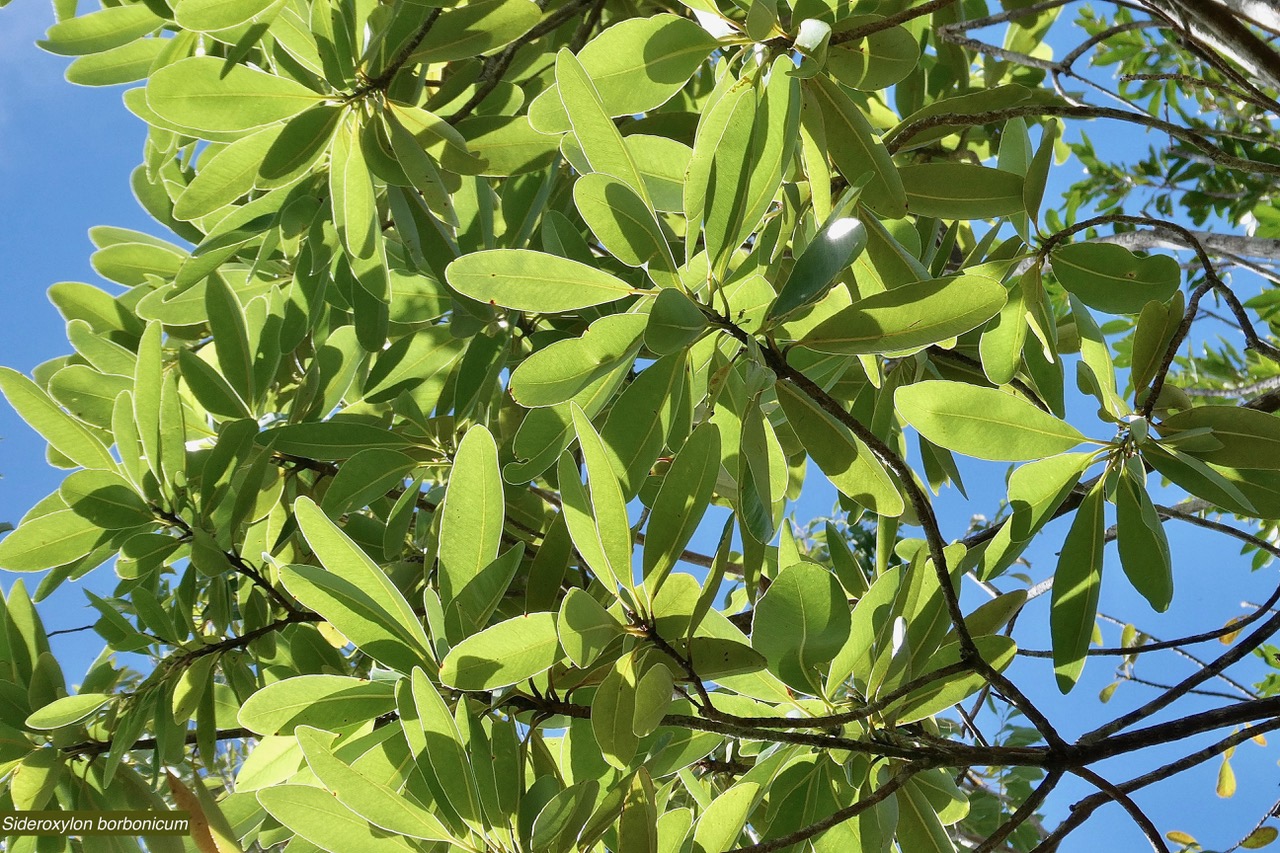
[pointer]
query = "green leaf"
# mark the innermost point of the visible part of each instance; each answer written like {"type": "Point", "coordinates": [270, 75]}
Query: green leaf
{"type": "Point", "coordinates": [227, 175]}
{"type": "Point", "coordinates": [636, 65]}
{"type": "Point", "coordinates": [475, 29]}
{"type": "Point", "coordinates": [592, 126]}
{"type": "Point", "coordinates": [943, 693]}
{"type": "Point", "coordinates": [216, 15]}
{"type": "Point", "coordinates": [105, 499]}
{"type": "Point", "coordinates": [124, 64]}
{"type": "Point", "coordinates": [643, 420]}
{"type": "Point", "coordinates": [50, 540]}
{"type": "Point", "coordinates": [1260, 837]}
{"type": "Point", "coordinates": [1110, 278]}
{"type": "Point", "coordinates": [333, 701]}
{"type": "Point", "coordinates": [910, 316]}
{"type": "Point", "coordinates": [983, 422]}
{"type": "Point", "coordinates": [315, 815]}
{"type": "Point", "coordinates": [1144, 548]}
{"type": "Point", "coordinates": [830, 252]}
{"type": "Point", "coordinates": [800, 624]}
{"type": "Point", "coordinates": [1003, 339]}
{"type": "Point", "coordinates": [365, 477]}
{"type": "Point", "coordinates": [355, 207]}
{"type": "Point", "coordinates": [1038, 488]}
{"type": "Point", "coordinates": [360, 619]}
{"type": "Point", "coordinates": [67, 711]}
{"type": "Point", "coordinates": [675, 322]}
{"type": "Point", "coordinates": [65, 434]}
{"type": "Point", "coordinates": [597, 514]}
{"type": "Point", "coordinates": [348, 561]}
{"type": "Point", "coordinates": [848, 463]}
{"type": "Point", "coordinates": [680, 504]}
{"type": "Point", "coordinates": [203, 93]}
{"type": "Point", "coordinates": [1156, 326]}
{"type": "Point", "coordinates": [559, 372]}
{"type": "Point", "coordinates": [875, 62]}
{"type": "Point", "coordinates": [1250, 438]}
{"type": "Point", "coordinates": [101, 30]}
{"type": "Point", "coordinates": [367, 797]}
{"type": "Point", "coordinates": [624, 223]}
{"type": "Point", "coordinates": [720, 824]}
{"type": "Point", "coordinates": [503, 654]}
{"type": "Point", "coordinates": [638, 828]}
{"type": "Point", "coordinates": [585, 628]}
{"type": "Point", "coordinates": [444, 749]}
{"type": "Point", "coordinates": [613, 708]}
{"type": "Point", "coordinates": [474, 604]}
{"type": "Point", "coordinates": [1197, 478]}
{"type": "Point", "coordinates": [1076, 584]}
{"type": "Point", "coordinates": [533, 281]}
{"type": "Point", "coordinates": [961, 191]}
{"type": "Point", "coordinates": [473, 515]}
{"type": "Point", "coordinates": [332, 440]}
{"type": "Point", "coordinates": [856, 150]}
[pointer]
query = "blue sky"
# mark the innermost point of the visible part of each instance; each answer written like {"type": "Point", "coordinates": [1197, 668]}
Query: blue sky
{"type": "Point", "coordinates": [65, 157]}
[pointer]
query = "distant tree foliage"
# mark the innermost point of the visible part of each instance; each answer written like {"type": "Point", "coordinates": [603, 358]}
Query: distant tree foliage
{"type": "Point", "coordinates": [478, 311]}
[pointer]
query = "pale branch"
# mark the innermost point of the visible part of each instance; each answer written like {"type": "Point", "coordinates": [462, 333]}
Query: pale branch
{"type": "Point", "coordinates": [1216, 25]}
{"type": "Point", "coordinates": [1162, 237]}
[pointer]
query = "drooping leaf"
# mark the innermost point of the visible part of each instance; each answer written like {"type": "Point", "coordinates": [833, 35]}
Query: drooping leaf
{"type": "Point", "coordinates": [1076, 585]}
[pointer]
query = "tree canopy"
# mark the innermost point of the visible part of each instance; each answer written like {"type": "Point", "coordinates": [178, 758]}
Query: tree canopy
{"type": "Point", "coordinates": [449, 451]}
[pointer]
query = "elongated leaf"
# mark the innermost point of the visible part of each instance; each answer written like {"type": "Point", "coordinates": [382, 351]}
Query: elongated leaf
{"type": "Point", "coordinates": [1144, 548]}
{"type": "Point", "coordinates": [471, 526]}
{"type": "Point", "coordinates": [592, 126]}
{"type": "Point", "coordinates": [101, 30]}
{"type": "Point", "coordinates": [64, 434]}
{"type": "Point", "coordinates": [833, 249]}
{"type": "Point", "coordinates": [910, 316]}
{"type": "Point", "coordinates": [600, 527]}
{"type": "Point", "coordinates": [1110, 278]}
{"type": "Point", "coordinates": [856, 150]}
{"type": "Point", "coordinates": [559, 372]}
{"type": "Point", "coordinates": [205, 94]}
{"type": "Point", "coordinates": [961, 191]}
{"type": "Point", "coordinates": [67, 711]}
{"type": "Point", "coordinates": [348, 561]}
{"type": "Point", "coordinates": [680, 504]}
{"type": "Point", "coordinates": [585, 628]}
{"type": "Point", "coordinates": [844, 458]}
{"type": "Point", "coordinates": [332, 701]}
{"type": "Point", "coordinates": [636, 65]}
{"type": "Point", "coordinates": [503, 654]}
{"type": "Point", "coordinates": [314, 815]}
{"type": "Point", "coordinates": [983, 422]}
{"type": "Point", "coordinates": [720, 824]}
{"type": "Point", "coordinates": [533, 281]}
{"type": "Point", "coordinates": [349, 609]}
{"type": "Point", "coordinates": [368, 798]}
{"type": "Point", "coordinates": [1076, 585]}
{"type": "Point", "coordinates": [444, 749]}
{"type": "Point", "coordinates": [1250, 438]}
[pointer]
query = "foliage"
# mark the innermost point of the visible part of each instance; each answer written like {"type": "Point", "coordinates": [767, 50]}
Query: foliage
{"type": "Point", "coordinates": [481, 314]}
